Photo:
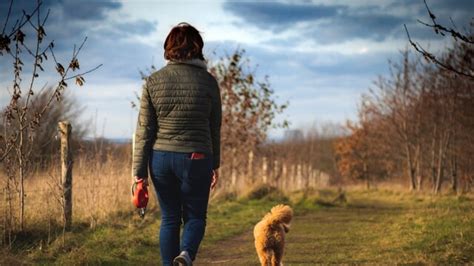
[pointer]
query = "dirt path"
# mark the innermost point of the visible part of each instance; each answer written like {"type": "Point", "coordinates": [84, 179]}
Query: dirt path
{"type": "Point", "coordinates": [332, 235]}
{"type": "Point", "coordinates": [229, 252]}
{"type": "Point", "coordinates": [370, 229]}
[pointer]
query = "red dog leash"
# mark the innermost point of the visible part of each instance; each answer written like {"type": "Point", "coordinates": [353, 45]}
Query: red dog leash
{"type": "Point", "coordinates": [140, 196]}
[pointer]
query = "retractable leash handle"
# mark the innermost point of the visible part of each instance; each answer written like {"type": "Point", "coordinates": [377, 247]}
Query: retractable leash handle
{"type": "Point", "coordinates": [140, 196]}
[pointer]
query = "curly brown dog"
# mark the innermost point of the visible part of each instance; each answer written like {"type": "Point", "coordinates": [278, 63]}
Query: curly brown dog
{"type": "Point", "coordinates": [270, 233]}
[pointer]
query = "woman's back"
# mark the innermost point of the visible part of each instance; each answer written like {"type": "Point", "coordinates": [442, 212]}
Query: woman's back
{"type": "Point", "coordinates": [183, 96]}
{"type": "Point", "coordinates": [182, 99]}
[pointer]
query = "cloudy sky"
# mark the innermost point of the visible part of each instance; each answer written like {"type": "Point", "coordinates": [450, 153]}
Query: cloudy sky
{"type": "Point", "coordinates": [320, 55]}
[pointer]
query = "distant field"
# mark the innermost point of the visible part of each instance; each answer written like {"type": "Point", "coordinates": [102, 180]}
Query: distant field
{"type": "Point", "coordinates": [372, 227]}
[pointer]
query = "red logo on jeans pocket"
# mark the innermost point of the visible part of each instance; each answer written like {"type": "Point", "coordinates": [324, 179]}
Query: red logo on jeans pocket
{"type": "Point", "coordinates": [197, 156]}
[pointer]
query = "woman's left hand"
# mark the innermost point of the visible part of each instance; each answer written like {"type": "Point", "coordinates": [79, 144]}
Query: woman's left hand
{"type": "Point", "coordinates": [215, 177]}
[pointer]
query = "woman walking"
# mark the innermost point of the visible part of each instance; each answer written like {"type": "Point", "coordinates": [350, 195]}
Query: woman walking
{"type": "Point", "coordinates": [178, 139]}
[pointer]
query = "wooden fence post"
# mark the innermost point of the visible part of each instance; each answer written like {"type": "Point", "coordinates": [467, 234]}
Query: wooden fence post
{"type": "Point", "coordinates": [250, 167]}
{"type": "Point", "coordinates": [284, 178]}
{"type": "Point", "coordinates": [66, 172]}
{"type": "Point", "coordinates": [264, 170]}
{"type": "Point", "coordinates": [292, 177]}
{"type": "Point", "coordinates": [233, 170]}
{"type": "Point", "coordinates": [310, 176]}
{"type": "Point", "coordinates": [276, 173]}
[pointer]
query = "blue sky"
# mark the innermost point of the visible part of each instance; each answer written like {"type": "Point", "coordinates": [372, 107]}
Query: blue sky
{"type": "Point", "coordinates": [320, 55]}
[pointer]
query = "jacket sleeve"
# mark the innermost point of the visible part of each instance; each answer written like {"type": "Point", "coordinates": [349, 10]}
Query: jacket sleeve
{"type": "Point", "coordinates": [145, 134]}
{"type": "Point", "coordinates": [215, 125]}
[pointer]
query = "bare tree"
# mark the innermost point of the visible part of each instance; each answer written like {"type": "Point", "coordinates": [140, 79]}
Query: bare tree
{"type": "Point", "coordinates": [19, 117]}
{"type": "Point", "coordinates": [421, 117]}
{"type": "Point", "coordinates": [400, 92]}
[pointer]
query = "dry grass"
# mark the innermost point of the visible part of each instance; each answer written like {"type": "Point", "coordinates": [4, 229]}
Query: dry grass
{"type": "Point", "coordinates": [101, 193]}
{"type": "Point", "coordinates": [100, 190]}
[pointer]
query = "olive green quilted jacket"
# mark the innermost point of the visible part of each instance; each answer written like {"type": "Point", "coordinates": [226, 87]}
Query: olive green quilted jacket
{"type": "Point", "coordinates": [180, 111]}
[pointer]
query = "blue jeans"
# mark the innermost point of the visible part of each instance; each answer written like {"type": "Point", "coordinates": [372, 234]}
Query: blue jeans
{"type": "Point", "coordinates": [182, 186]}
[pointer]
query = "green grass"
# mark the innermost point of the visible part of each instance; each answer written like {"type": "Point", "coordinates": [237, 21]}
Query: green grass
{"type": "Point", "coordinates": [126, 239]}
{"type": "Point", "coordinates": [373, 227]}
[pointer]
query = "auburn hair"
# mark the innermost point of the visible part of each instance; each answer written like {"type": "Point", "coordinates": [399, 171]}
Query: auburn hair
{"type": "Point", "coordinates": [183, 43]}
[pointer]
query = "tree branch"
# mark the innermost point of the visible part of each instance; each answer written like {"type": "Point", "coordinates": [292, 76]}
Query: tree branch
{"type": "Point", "coordinates": [430, 57]}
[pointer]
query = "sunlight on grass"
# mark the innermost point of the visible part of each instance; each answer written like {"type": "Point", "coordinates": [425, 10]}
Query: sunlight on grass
{"type": "Point", "coordinates": [375, 226]}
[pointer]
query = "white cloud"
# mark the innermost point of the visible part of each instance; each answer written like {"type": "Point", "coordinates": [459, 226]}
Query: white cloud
{"type": "Point", "coordinates": [110, 103]}
{"type": "Point", "coordinates": [318, 79]}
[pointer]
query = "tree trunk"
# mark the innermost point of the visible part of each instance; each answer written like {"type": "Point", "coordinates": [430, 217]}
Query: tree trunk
{"type": "Point", "coordinates": [21, 165]}
{"type": "Point", "coordinates": [418, 157]}
{"type": "Point", "coordinates": [411, 167]}
{"type": "Point", "coordinates": [454, 176]}
{"type": "Point", "coordinates": [433, 160]}
{"type": "Point", "coordinates": [419, 169]}
{"type": "Point", "coordinates": [438, 178]}
{"type": "Point", "coordinates": [439, 173]}
{"type": "Point", "coordinates": [366, 175]}
{"type": "Point", "coordinates": [441, 162]}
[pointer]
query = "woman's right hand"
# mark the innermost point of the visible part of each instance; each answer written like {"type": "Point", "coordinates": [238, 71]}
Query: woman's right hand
{"type": "Point", "coordinates": [215, 177]}
{"type": "Point", "coordinates": [145, 180]}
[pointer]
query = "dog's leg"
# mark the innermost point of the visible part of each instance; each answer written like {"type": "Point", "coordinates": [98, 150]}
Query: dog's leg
{"type": "Point", "coordinates": [278, 255]}
{"type": "Point", "coordinates": [259, 249]}
{"type": "Point", "coordinates": [264, 255]}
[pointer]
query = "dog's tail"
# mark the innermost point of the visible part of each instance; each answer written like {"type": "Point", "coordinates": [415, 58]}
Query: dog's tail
{"type": "Point", "coordinates": [281, 214]}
